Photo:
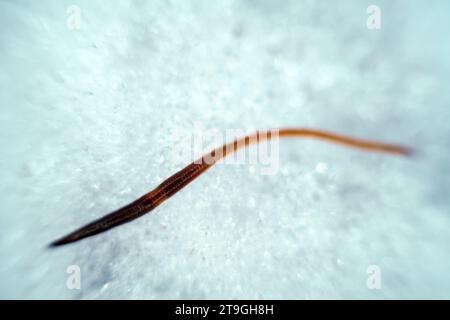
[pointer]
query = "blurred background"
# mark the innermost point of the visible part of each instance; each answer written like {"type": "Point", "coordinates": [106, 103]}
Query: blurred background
{"type": "Point", "coordinates": [93, 94]}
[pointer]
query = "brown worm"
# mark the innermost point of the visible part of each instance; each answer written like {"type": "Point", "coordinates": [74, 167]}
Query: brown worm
{"type": "Point", "coordinates": [183, 177]}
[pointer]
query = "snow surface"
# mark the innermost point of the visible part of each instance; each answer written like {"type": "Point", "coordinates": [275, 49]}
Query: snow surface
{"type": "Point", "coordinates": [89, 116]}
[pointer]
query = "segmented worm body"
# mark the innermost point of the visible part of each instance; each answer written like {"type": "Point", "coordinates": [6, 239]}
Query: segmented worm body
{"type": "Point", "coordinates": [179, 180]}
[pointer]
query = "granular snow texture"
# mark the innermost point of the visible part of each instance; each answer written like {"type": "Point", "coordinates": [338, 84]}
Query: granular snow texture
{"type": "Point", "coordinates": [89, 122]}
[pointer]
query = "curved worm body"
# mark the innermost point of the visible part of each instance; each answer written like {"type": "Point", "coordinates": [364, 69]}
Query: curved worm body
{"type": "Point", "coordinates": [179, 180]}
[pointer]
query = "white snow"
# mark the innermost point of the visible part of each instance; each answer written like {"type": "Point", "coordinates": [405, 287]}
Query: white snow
{"type": "Point", "coordinates": [89, 116]}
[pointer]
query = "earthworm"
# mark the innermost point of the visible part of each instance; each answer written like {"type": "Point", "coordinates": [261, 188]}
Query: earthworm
{"type": "Point", "coordinates": [179, 180]}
